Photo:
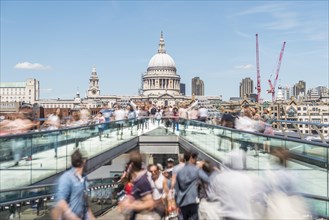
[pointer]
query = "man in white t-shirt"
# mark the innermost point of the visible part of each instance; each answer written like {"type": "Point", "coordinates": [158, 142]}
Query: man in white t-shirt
{"type": "Point", "coordinates": [203, 114]}
{"type": "Point", "coordinates": [156, 180]}
{"type": "Point", "coordinates": [182, 112]}
{"type": "Point", "coordinates": [119, 116]}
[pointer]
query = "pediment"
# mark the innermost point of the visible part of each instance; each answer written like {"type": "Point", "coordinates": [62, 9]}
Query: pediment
{"type": "Point", "coordinates": [166, 96]}
{"type": "Point", "coordinates": [292, 103]}
{"type": "Point", "coordinates": [244, 103]}
{"type": "Point", "coordinates": [291, 109]}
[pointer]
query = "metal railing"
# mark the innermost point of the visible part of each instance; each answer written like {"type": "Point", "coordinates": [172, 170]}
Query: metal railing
{"type": "Point", "coordinates": [36, 202]}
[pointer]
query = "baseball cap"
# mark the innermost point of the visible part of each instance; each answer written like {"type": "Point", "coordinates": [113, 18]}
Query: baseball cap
{"type": "Point", "coordinates": [170, 160]}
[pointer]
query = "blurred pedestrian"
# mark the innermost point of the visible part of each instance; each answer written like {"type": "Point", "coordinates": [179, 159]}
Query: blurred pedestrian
{"type": "Point", "coordinates": [119, 116]}
{"type": "Point", "coordinates": [107, 114]}
{"type": "Point", "coordinates": [141, 203]}
{"type": "Point", "coordinates": [175, 119]}
{"type": "Point", "coordinates": [21, 145]}
{"type": "Point", "coordinates": [203, 114]}
{"type": "Point", "coordinates": [158, 116]}
{"type": "Point", "coordinates": [209, 201]}
{"type": "Point", "coordinates": [71, 196]}
{"type": "Point", "coordinates": [282, 201]}
{"type": "Point", "coordinates": [234, 190]}
{"type": "Point", "coordinates": [100, 120]}
{"type": "Point", "coordinates": [53, 123]}
{"type": "Point", "coordinates": [157, 181]}
{"type": "Point", "coordinates": [131, 116]}
{"type": "Point", "coordinates": [186, 186]}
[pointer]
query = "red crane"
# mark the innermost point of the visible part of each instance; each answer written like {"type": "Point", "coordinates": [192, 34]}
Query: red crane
{"type": "Point", "coordinates": [272, 86]}
{"type": "Point", "coordinates": [258, 71]}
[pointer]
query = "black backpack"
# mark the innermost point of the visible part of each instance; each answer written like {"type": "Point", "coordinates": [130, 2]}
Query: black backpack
{"type": "Point", "coordinates": [153, 111]}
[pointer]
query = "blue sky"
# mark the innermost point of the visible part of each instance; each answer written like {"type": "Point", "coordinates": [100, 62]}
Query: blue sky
{"type": "Point", "coordinates": [58, 42]}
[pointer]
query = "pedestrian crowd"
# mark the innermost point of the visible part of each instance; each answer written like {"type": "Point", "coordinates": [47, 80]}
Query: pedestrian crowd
{"type": "Point", "coordinates": [197, 189]}
{"type": "Point", "coordinates": [191, 189]}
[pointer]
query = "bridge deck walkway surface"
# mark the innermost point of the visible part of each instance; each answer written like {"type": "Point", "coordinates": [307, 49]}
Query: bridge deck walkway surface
{"type": "Point", "coordinates": [112, 214]}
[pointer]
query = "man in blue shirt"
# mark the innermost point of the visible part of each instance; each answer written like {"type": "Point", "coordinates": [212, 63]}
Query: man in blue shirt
{"type": "Point", "coordinates": [186, 186]}
{"type": "Point", "coordinates": [71, 197]}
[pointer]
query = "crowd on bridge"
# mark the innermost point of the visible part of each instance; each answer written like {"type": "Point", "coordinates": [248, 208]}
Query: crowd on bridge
{"type": "Point", "coordinates": [24, 120]}
{"type": "Point", "coordinates": [139, 115]}
{"type": "Point", "coordinates": [192, 189]}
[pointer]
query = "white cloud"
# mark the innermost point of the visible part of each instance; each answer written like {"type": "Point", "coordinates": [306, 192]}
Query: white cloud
{"type": "Point", "coordinates": [246, 66]}
{"type": "Point", "coordinates": [245, 35]}
{"type": "Point", "coordinates": [283, 21]}
{"type": "Point", "coordinates": [266, 8]}
{"type": "Point", "coordinates": [282, 17]}
{"type": "Point", "coordinates": [31, 66]}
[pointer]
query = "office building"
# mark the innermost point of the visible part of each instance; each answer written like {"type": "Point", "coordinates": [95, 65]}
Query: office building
{"type": "Point", "coordinates": [28, 91]}
{"type": "Point", "coordinates": [299, 89]}
{"type": "Point", "coordinates": [182, 89]}
{"type": "Point", "coordinates": [246, 87]}
{"type": "Point", "coordinates": [197, 86]}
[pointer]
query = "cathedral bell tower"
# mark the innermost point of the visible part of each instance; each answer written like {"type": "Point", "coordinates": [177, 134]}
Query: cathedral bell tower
{"type": "Point", "coordinates": [93, 89]}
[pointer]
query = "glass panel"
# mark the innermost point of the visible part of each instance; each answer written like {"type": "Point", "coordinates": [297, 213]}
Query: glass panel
{"type": "Point", "coordinates": [28, 158]}
{"type": "Point", "coordinates": [319, 207]}
{"type": "Point", "coordinates": [308, 163]}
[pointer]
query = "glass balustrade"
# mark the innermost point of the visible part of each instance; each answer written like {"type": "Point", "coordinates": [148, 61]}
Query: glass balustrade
{"type": "Point", "coordinates": [45, 153]}
{"type": "Point", "coordinates": [28, 158]}
{"type": "Point", "coordinates": [308, 161]}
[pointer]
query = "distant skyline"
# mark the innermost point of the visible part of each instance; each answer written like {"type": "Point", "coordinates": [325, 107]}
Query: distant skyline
{"type": "Point", "coordinates": [59, 42]}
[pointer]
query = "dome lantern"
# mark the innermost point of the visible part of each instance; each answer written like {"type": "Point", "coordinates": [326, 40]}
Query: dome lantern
{"type": "Point", "coordinates": [162, 60]}
{"type": "Point", "coordinates": [161, 44]}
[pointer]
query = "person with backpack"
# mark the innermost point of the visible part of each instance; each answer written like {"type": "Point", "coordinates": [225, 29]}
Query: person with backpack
{"type": "Point", "coordinates": [152, 113]}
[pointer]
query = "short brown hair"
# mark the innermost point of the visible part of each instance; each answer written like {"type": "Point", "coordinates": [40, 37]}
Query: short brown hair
{"type": "Point", "coordinates": [135, 161]}
{"type": "Point", "coordinates": [77, 158]}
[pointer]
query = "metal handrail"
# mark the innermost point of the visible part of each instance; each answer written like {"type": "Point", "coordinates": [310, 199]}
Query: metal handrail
{"type": "Point", "coordinates": [268, 136]}
{"type": "Point", "coordinates": [26, 188]}
{"type": "Point", "coordinates": [46, 186]}
{"type": "Point", "coordinates": [317, 197]}
{"type": "Point", "coordinates": [301, 122]}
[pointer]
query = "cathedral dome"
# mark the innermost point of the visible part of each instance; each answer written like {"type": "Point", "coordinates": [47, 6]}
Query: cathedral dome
{"type": "Point", "coordinates": [161, 60]}
{"type": "Point", "coordinates": [161, 77]}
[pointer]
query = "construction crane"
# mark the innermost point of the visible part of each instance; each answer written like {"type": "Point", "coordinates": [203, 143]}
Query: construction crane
{"type": "Point", "coordinates": [272, 86]}
{"type": "Point", "coordinates": [258, 71]}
